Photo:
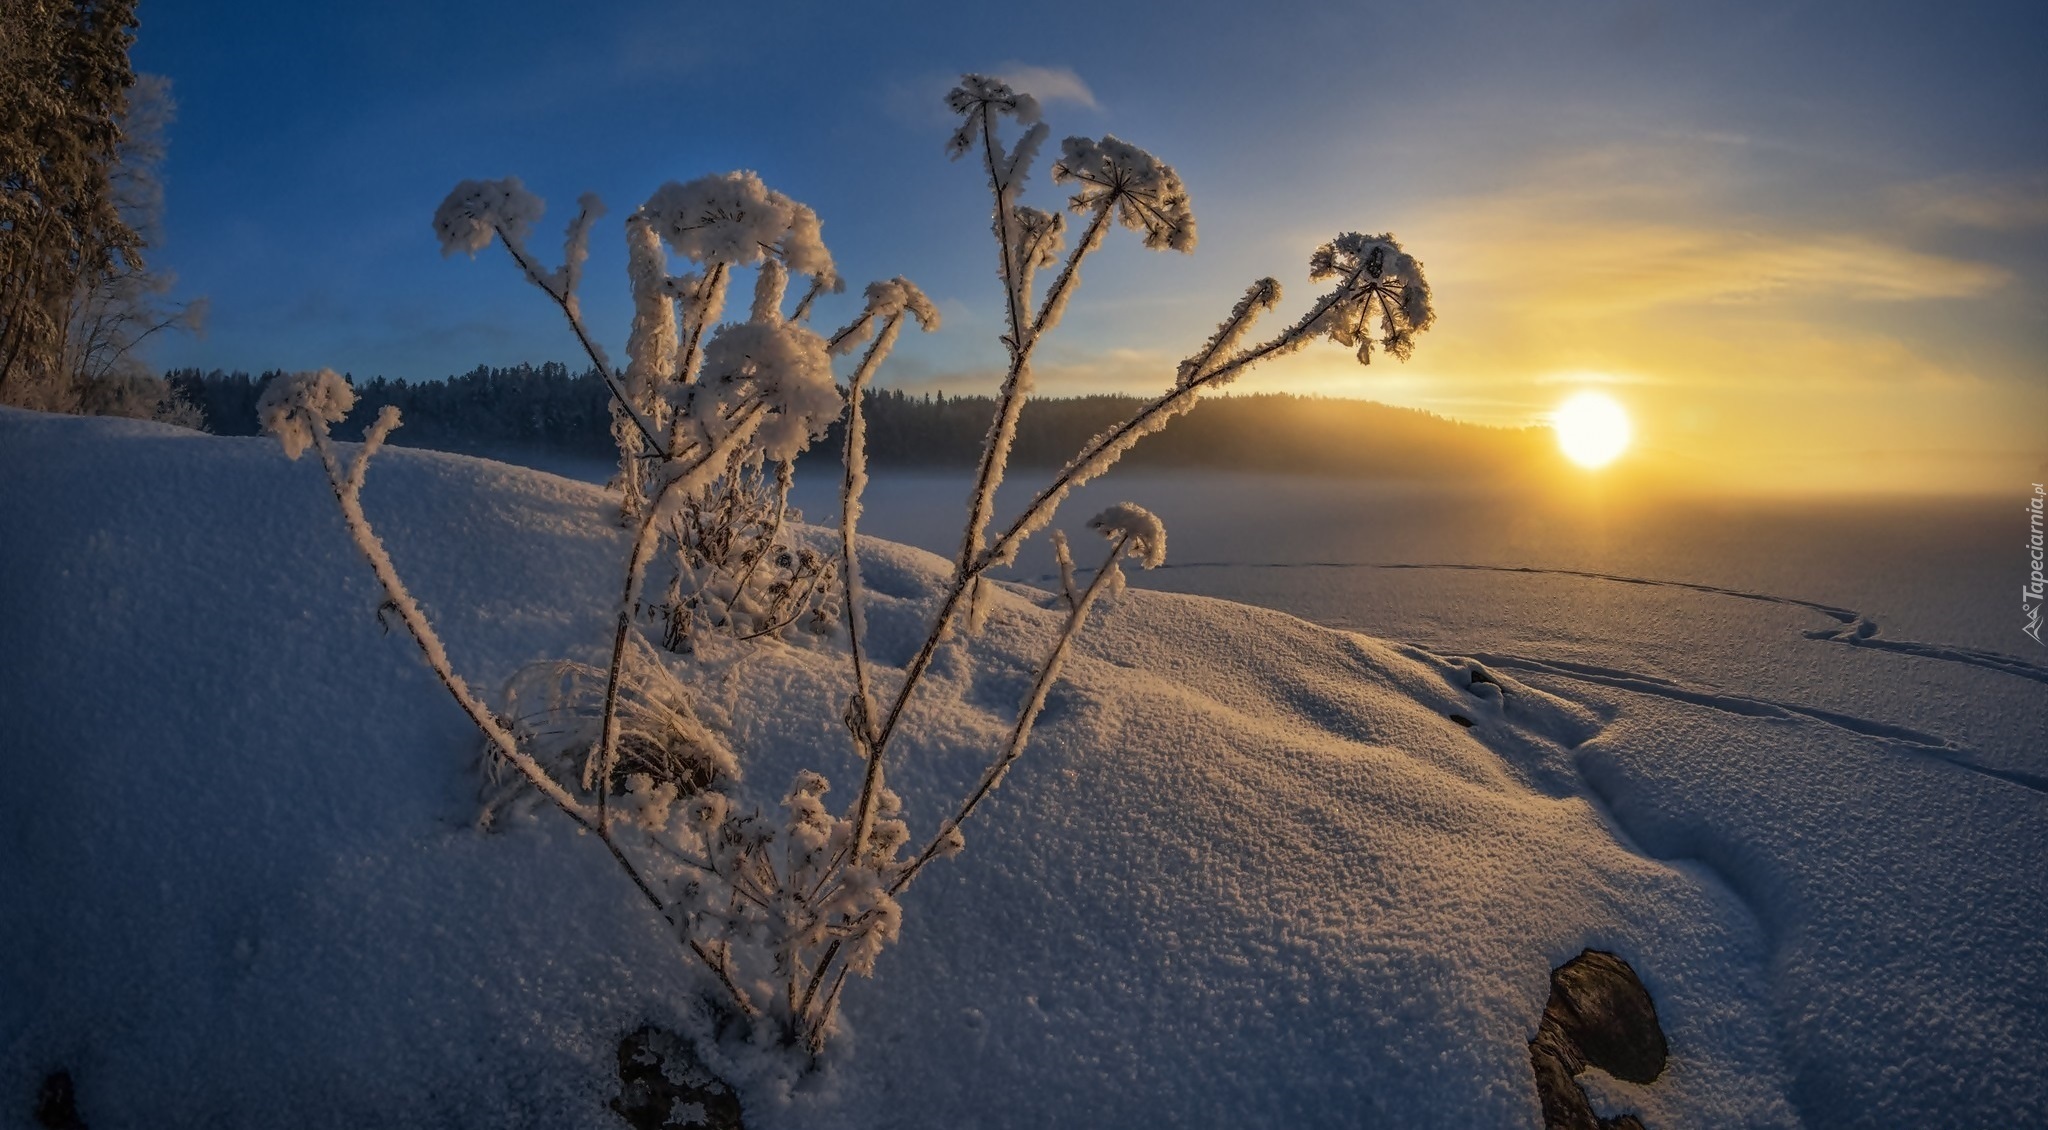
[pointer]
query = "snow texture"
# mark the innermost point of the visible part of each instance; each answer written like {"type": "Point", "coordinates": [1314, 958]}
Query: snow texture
{"type": "Point", "coordinates": [1247, 872]}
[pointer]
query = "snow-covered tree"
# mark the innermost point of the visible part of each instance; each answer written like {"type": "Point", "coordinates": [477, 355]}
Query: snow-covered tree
{"type": "Point", "coordinates": [81, 139]}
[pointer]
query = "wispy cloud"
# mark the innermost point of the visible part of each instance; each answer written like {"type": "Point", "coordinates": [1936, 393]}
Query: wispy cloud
{"type": "Point", "coordinates": [2007, 204]}
{"type": "Point", "coordinates": [1613, 233]}
{"type": "Point", "coordinates": [1048, 84]}
{"type": "Point", "coordinates": [919, 100]}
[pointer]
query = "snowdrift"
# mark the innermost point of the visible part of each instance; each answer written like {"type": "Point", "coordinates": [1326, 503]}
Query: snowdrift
{"type": "Point", "coordinates": [1250, 871]}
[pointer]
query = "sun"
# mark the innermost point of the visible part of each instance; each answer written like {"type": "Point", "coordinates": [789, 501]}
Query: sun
{"type": "Point", "coordinates": [1592, 429]}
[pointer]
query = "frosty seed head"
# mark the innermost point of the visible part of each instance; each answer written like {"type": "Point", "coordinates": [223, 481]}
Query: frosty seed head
{"type": "Point", "coordinates": [786, 367]}
{"type": "Point", "coordinates": [1041, 236]}
{"type": "Point", "coordinates": [802, 249]}
{"type": "Point", "coordinates": [293, 406]}
{"type": "Point", "coordinates": [975, 98]}
{"type": "Point", "coordinates": [1146, 531]}
{"type": "Point", "coordinates": [1145, 191]}
{"type": "Point", "coordinates": [707, 809]}
{"type": "Point", "coordinates": [899, 295]}
{"type": "Point", "coordinates": [1376, 278]}
{"type": "Point", "coordinates": [733, 218]}
{"type": "Point", "coordinates": [477, 209]}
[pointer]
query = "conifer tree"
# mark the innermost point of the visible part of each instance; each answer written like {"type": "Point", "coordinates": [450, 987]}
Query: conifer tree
{"type": "Point", "coordinates": [64, 82]}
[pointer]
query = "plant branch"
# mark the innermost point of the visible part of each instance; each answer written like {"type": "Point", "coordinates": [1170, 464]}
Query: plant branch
{"type": "Point", "coordinates": [1056, 295]}
{"type": "Point", "coordinates": [863, 711]}
{"type": "Point", "coordinates": [1102, 452]}
{"type": "Point", "coordinates": [346, 486]}
{"type": "Point", "coordinates": [743, 427]}
{"type": "Point", "coordinates": [1027, 714]}
{"type": "Point", "coordinates": [596, 355]}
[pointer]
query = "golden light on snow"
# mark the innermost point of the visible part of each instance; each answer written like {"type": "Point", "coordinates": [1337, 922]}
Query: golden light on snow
{"type": "Point", "coordinates": [1592, 429]}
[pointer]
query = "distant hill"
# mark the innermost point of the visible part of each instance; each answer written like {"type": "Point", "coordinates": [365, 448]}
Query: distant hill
{"type": "Point", "coordinates": [1264, 432]}
{"type": "Point", "coordinates": [488, 410]}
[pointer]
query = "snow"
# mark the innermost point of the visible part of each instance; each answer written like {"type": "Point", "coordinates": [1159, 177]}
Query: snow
{"type": "Point", "coordinates": [1247, 871]}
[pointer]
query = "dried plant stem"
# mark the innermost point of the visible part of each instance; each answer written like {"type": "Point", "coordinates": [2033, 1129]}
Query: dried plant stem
{"type": "Point", "coordinates": [347, 487]}
{"type": "Point", "coordinates": [721, 967]}
{"type": "Point", "coordinates": [1027, 714]}
{"type": "Point", "coordinates": [863, 709]}
{"type": "Point", "coordinates": [1102, 452]}
{"type": "Point", "coordinates": [644, 539]}
{"type": "Point", "coordinates": [1098, 456]}
{"type": "Point", "coordinates": [785, 473]}
{"type": "Point", "coordinates": [710, 300]}
{"type": "Point", "coordinates": [1022, 341]}
{"type": "Point", "coordinates": [1020, 734]}
{"type": "Point", "coordinates": [569, 311]}
{"type": "Point", "coordinates": [811, 293]}
{"type": "Point", "coordinates": [1006, 243]}
{"type": "Point", "coordinates": [1016, 308]}
{"type": "Point", "coordinates": [1070, 272]}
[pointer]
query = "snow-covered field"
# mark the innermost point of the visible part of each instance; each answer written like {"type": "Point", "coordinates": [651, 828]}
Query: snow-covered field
{"type": "Point", "coordinates": [1249, 872]}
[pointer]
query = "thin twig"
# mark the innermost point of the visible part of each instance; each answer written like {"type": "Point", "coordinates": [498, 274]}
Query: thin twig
{"type": "Point", "coordinates": [636, 567]}
{"type": "Point", "coordinates": [1027, 714]}
{"type": "Point", "coordinates": [1168, 404]}
{"type": "Point", "coordinates": [849, 510]}
{"type": "Point", "coordinates": [423, 634]}
{"type": "Point", "coordinates": [589, 347]}
{"type": "Point", "coordinates": [995, 449]}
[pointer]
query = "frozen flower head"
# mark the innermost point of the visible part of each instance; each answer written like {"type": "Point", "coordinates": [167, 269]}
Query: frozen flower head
{"type": "Point", "coordinates": [886, 299]}
{"type": "Point", "coordinates": [1145, 191]}
{"type": "Point", "coordinates": [466, 220]}
{"type": "Point", "coordinates": [1376, 279]}
{"type": "Point", "coordinates": [1147, 533]}
{"type": "Point", "coordinates": [733, 218]}
{"type": "Point", "coordinates": [293, 406]}
{"type": "Point", "coordinates": [1041, 235]}
{"type": "Point", "coordinates": [782, 365]}
{"type": "Point", "coordinates": [803, 249]}
{"type": "Point", "coordinates": [707, 809]}
{"type": "Point", "coordinates": [899, 295]}
{"type": "Point", "coordinates": [979, 99]}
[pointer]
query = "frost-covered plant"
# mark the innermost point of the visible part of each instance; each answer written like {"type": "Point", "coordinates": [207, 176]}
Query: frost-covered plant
{"type": "Point", "coordinates": [550, 710]}
{"type": "Point", "coordinates": [735, 572]}
{"type": "Point", "coordinates": [782, 904]}
{"type": "Point", "coordinates": [1116, 180]}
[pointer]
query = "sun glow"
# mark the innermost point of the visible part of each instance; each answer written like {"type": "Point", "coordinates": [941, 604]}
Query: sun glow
{"type": "Point", "coordinates": [1592, 430]}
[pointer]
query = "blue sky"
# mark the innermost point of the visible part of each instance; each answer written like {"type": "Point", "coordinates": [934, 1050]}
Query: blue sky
{"type": "Point", "coordinates": [1807, 238]}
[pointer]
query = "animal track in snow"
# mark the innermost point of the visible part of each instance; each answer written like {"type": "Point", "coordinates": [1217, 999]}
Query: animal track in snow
{"type": "Point", "coordinates": [1853, 628]}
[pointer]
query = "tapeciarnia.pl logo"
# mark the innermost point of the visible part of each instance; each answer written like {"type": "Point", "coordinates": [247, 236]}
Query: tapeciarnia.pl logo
{"type": "Point", "coordinates": [2032, 592]}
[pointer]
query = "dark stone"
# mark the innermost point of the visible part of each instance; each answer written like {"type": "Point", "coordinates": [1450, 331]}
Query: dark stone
{"type": "Point", "coordinates": [1599, 1015]}
{"type": "Point", "coordinates": [1480, 675]}
{"type": "Point", "coordinates": [660, 1078]}
{"type": "Point", "coordinates": [1461, 720]}
{"type": "Point", "coordinates": [57, 1103]}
